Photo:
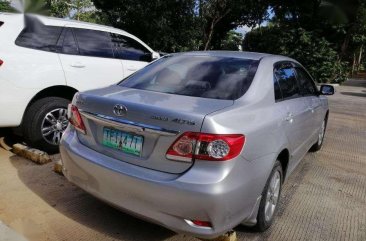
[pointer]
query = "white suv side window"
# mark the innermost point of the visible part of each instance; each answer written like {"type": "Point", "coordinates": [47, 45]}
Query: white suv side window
{"type": "Point", "coordinates": [100, 46]}
{"type": "Point", "coordinates": [129, 49]}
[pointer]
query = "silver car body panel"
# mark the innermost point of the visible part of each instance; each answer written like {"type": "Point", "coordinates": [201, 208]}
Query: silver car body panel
{"type": "Point", "coordinates": [170, 192]}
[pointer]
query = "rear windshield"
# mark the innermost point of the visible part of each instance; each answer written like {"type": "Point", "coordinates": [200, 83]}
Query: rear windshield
{"type": "Point", "coordinates": [198, 76]}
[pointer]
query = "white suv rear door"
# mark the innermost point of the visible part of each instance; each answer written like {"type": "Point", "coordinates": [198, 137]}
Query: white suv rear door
{"type": "Point", "coordinates": [88, 60]}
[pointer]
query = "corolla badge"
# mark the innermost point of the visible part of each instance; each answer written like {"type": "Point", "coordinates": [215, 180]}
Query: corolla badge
{"type": "Point", "coordinates": [120, 110]}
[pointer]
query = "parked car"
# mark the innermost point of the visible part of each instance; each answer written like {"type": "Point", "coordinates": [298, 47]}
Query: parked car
{"type": "Point", "coordinates": [45, 61]}
{"type": "Point", "coordinates": [197, 142]}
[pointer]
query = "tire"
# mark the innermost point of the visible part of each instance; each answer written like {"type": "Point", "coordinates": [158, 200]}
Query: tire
{"type": "Point", "coordinates": [264, 219]}
{"type": "Point", "coordinates": [319, 143]}
{"type": "Point", "coordinates": [35, 120]}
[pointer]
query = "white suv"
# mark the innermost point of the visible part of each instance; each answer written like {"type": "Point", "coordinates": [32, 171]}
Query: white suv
{"type": "Point", "coordinates": [45, 61]}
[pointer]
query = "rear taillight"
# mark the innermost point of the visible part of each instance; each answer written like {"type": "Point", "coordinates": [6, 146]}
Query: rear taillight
{"type": "Point", "coordinates": [1, 62]}
{"type": "Point", "coordinates": [210, 147]}
{"type": "Point", "coordinates": [75, 118]}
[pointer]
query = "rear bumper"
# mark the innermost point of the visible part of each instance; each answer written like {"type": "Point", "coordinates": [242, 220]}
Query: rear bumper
{"type": "Point", "coordinates": [205, 192]}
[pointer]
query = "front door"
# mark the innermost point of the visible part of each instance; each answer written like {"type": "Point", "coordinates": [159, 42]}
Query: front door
{"type": "Point", "coordinates": [133, 55]}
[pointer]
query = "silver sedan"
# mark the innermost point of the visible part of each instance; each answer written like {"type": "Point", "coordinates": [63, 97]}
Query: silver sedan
{"type": "Point", "coordinates": [197, 142]}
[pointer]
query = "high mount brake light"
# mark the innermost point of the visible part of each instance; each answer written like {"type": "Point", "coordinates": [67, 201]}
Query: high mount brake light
{"type": "Point", "coordinates": [210, 147]}
{"type": "Point", "coordinates": [75, 119]}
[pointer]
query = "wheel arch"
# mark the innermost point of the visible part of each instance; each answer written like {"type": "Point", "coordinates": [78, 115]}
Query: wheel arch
{"type": "Point", "coordinates": [61, 91]}
{"type": "Point", "coordinates": [284, 158]}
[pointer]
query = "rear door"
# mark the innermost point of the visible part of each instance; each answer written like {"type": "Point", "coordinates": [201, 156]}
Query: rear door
{"type": "Point", "coordinates": [295, 109]}
{"type": "Point", "coordinates": [133, 55]}
{"type": "Point", "coordinates": [88, 59]}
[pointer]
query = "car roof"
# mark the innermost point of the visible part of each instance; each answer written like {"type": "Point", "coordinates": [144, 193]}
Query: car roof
{"type": "Point", "coordinates": [52, 21]}
{"type": "Point", "coordinates": [229, 54]}
{"type": "Point", "coordinates": [74, 23]}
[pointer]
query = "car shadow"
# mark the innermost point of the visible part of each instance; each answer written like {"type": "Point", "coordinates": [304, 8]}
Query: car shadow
{"type": "Point", "coordinates": [354, 94]}
{"type": "Point", "coordinates": [355, 83]}
{"type": "Point", "coordinates": [83, 208]}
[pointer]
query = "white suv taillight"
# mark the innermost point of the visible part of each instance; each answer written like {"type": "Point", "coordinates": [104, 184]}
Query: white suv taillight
{"type": "Point", "coordinates": [210, 147]}
{"type": "Point", "coordinates": [1, 62]}
{"type": "Point", "coordinates": [75, 119]}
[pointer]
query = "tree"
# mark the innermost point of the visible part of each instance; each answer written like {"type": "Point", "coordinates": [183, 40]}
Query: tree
{"type": "Point", "coordinates": [81, 10]}
{"type": "Point", "coordinates": [224, 15]}
{"type": "Point", "coordinates": [166, 25]}
{"type": "Point", "coordinates": [5, 6]}
{"type": "Point", "coordinates": [314, 52]}
{"type": "Point", "coordinates": [232, 41]}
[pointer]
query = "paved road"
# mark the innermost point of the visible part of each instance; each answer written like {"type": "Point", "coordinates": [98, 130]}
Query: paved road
{"type": "Point", "coordinates": [324, 199]}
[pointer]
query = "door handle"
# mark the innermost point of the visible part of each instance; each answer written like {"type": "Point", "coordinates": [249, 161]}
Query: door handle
{"type": "Point", "coordinates": [77, 65]}
{"type": "Point", "coordinates": [289, 117]}
{"type": "Point", "coordinates": [311, 109]}
{"type": "Point", "coordinates": [131, 69]}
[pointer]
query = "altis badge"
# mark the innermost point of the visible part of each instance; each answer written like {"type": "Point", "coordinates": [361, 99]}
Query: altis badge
{"type": "Point", "coordinates": [175, 120]}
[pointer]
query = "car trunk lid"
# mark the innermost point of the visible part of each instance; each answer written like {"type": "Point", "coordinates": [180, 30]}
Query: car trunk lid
{"type": "Point", "coordinates": [153, 120]}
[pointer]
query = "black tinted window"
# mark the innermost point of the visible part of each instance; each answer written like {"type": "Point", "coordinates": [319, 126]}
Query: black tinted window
{"type": "Point", "coordinates": [307, 86]}
{"type": "Point", "coordinates": [69, 45]}
{"type": "Point", "coordinates": [94, 43]}
{"type": "Point", "coordinates": [277, 90]}
{"type": "Point", "coordinates": [199, 76]}
{"type": "Point", "coordinates": [287, 80]}
{"type": "Point", "coordinates": [36, 35]}
{"type": "Point", "coordinates": [130, 49]}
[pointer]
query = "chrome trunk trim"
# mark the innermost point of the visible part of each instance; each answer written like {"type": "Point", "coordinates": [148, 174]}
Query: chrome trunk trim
{"type": "Point", "coordinates": [126, 124]}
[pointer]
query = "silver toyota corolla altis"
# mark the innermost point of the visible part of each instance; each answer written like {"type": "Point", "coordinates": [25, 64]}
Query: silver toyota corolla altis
{"type": "Point", "coordinates": [197, 142]}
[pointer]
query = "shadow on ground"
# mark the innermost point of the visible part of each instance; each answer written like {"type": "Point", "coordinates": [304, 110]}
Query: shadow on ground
{"type": "Point", "coordinates": [354, 94]}
{"type": "Point", "coordinates": [81, 207]}
{"type": "Point", "coordinates": [355, 83]}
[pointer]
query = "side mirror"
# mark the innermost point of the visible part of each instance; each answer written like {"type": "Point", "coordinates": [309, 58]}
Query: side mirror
{"type": "Point", "coordinates": [327, 90]}
{"type": "Point", "coordinates": [155, 56]}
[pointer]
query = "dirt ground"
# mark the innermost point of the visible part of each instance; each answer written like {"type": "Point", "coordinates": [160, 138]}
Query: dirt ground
{"type": "Point", "coordinates": [324, 199]}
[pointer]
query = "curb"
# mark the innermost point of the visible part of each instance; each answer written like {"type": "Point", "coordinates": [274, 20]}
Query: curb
{"type": "Point", "coordinates": [58, 168]}
{"type": "Point", "coordinates": [229, 236]}
{"type": "Point", "coordinates": [34, 155]}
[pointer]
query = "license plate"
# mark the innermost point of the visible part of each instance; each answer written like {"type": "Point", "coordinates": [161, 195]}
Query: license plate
{"type": "Point", "coordinates": [125, 142]}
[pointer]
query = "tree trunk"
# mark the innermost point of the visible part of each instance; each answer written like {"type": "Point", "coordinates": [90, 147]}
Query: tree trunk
{"type": "Point", "coordinates": [209, 35]}
{"type": "Point", "coordinates": [359, 58]}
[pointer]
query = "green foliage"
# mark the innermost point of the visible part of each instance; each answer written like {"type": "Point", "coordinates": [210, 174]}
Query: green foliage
{"type": "Point", "coordinates": [82, 10]}
{"type": "Point", "coordinates": [232, 41]}
{"type": "Point", "coordinates": [5, 6]}
{"type": "Point", "coordinates": [314, 52]}
{"type": "Point", "coordinates": [171, 25]}
{"type": "Point", "coordinates": [166, 25]}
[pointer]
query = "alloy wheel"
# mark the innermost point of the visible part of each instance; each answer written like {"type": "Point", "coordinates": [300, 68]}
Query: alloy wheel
{"type": "Point", "coordinates": [272, 196]}
{"type": "Point", "coordinates": [53, 125]}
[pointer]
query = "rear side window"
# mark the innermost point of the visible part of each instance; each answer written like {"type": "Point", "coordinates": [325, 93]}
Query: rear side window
{"type": "Point", "coordinates": [69, 45]}
{"type": "Point", "coordinates": [129, 49]}
{"type": "Point", "coordinates": [39, 36]}
{"type": "Point", "coordinates": [199, 76]}
{"type": "Point", "coordinates": [307, 86]}
{"type": "Point", "coordinates": [286, 78]}
{"type": "Point", "coordinates": [94, 43]}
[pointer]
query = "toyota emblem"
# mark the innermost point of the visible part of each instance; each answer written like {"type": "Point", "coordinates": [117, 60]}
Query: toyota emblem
{"type": "Point", "coordinates": [120, 110]}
